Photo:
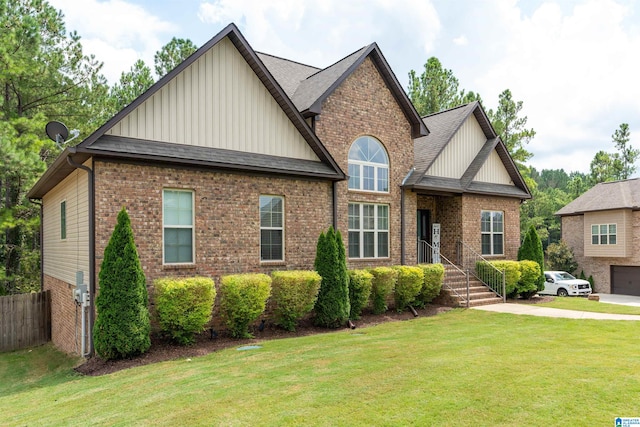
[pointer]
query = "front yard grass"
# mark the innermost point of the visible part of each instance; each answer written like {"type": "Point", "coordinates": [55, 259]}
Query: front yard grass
{"type": "Point", "coordinates": [583, 304]}
{"type": "Point", "coordinates": [464, 367]}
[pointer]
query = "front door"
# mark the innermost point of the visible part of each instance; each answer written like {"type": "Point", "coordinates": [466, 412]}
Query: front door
{"type": "Point", "coordinates": [424, 235]}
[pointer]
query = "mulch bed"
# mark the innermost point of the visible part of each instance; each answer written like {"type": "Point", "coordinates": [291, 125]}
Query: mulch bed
{"type": "Point", "coordinates": [163, 349]}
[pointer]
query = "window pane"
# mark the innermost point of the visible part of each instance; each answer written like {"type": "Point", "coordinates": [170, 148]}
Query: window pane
{"type": "Point", "coordinates": [368, 245]}
{"type": "Point", "coordinates": [486, 244]}
{"type": "Point", "coordinates": [497, 222]}
{"type": "Point", "coordinates": [383, 179]}
{"type": "Point", "coordinates": [271, 245]}
{"type": "Point", "coordinates": [368, 181]}
{"type": "Point", "coordinates": [354, 244]}
{"type": "Point", "coordinates": [63, 220]}
{"type": "Point", "coordinates": [603, 229]}
{"type": "Point", "coordinates": [368, 218]}
{"type": "Point", "coordinates": [178, 245]}
{"type": "Point", "coordinates": [354, 216]}
{"type": "Point", "coordinates": [612, 239]}
{"type": "Point", "coordinates": [603, 239]}
{"type": "Point", "coordinates": [594, 239]}
{"type": "Point", "coordinates": [497, 244]}
{"type": "Point", "coordinates": [354, 177]}
{"type": "Point", "coordinates": [178, 207]}
{"type": "Point", "coordinates": [485, 222]}
{"type": "Point", "coordinates": [594, 229]}
{"type": "Point", "coordinates": [383, 217]}
{"type": "Point", "coordinates": [612, 229]}
{"type": "Point", "coordinates": [383, 244]}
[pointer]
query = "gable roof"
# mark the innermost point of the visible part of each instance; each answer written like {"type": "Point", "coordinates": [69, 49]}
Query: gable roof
{"type": "Point", "coordinates": [315, 88]}
{"type": "Point", "coordinates": [92, 145]}
{"type": "Point", "coordinates": [606, 196]}
{"type": "Point", "coordinates": [444, 125]}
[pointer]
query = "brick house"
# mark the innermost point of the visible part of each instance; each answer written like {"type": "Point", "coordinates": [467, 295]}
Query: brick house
{"type": "Point", "coordinates": [236, 161]}
{"type": "Point", "coordinates": [602, 226]}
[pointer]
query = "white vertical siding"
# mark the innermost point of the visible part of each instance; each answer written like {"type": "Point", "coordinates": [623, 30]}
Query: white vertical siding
{"type": "Point", "coordinates": [460, 152]}
{"type": "Point", "coordinates": [623, 219]}
{"type": "Point", "coordinates": [62, 258]}
{"type": "Point", "coordinates": [493, 171]}
{"type": "Point", "coordinates": [218, 102]}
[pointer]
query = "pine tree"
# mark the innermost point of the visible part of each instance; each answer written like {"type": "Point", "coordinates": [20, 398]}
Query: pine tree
{"type": "Point", "coordinates": [332, 306]}
{"type": "Point", "coordinates": [531, 249]}
{"type": "Point", "coordinates": [122, 327]}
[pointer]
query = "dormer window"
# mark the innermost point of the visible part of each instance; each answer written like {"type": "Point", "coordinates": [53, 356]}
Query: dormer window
{"type": "Point", "coordinates": [368, 165]}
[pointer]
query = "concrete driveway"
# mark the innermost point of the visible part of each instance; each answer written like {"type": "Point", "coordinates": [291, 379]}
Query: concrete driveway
{"type": "Point", "coordinates": [533, 310]}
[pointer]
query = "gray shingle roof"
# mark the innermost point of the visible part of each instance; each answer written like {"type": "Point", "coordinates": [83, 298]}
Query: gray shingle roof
{"type": "Point", "coordinates": [605, 196]}
{"type": "Point", "coordinates": [288, 73]}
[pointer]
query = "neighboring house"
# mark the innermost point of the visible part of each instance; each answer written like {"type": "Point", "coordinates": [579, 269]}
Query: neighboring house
{"type": "Point", "coordinates": [602, 226]}
{"type": "Point", "coordinates": [236, 161]}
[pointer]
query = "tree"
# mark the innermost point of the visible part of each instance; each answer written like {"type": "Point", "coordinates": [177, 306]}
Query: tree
{"type": "Point", "coordinates": [44, 75]}
{"type": "Point", "coordinates": [436, 89]}
{"type": "Point", "coordinates": [531, 250]}
{"type": "Point", "coordinates": [511, 128]}
{"type": "Point", "coordinates": [561, 257]}
{"type": "Point", "coordinates": [603, 168]}
{"type": "Point", "coordinates": [122, 327]}
{"type": "Point", "coordinates": [332, 306]}
{"type": "Point", "coordinates": [172, 54]}
{"type": "Point", "coordinates": [131, 85]}
{"type": "Point", "coordinates": [627, 155]}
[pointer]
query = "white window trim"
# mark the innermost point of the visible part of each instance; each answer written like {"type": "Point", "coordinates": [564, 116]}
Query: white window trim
{"type": "Point", "coordinates": [608, 235]}
{"type": "Point", "coordinates": [192, 226]}
{"type": "Point", "coordinates": [376, 168]}
{"type": "Point", "coordinates": [273, 228]}
{"type": "Point", "coordinates": [492, 233]}
{"type": "Point", "coordinates": [375, 231]}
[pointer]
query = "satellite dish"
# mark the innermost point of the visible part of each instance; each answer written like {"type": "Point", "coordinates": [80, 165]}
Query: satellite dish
{"type": "Point", "coordinates": [57, 131]}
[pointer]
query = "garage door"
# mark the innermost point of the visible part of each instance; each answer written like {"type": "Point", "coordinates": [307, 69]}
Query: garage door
{"type": "Point", "coordinates": [625, 280]}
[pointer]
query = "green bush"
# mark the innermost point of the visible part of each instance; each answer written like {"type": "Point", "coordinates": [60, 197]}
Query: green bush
{"type": "Point", "coordinates": [359, 291]}
{"type": "Point", "coordinates": [382, 285]}
{"type": "Point", "coordinates": [531, 250]}
{"type": "Point", "coordinates": [511, 270]}
{"type": "Point", "coordinates": [590, 280]}
{"type": "Point", "coordinates": [560, 257]}
{"type": "Point", "coordinates": [184, 306]}
{"type": "Point", "coordinates": [243, 298]}
{"type": "Point", "coordinates": [293, 294]}
{"type": "Point", "coordinates": [433, 279]}
{"type": "Point", "coordinates": [122, 327]}
{"type": "Point", "coordinates": [408, 286]}
{"type": "Point", "coordinates": [529, 273]}
{"type": "Point", "coordinates": [332, 306]}
{"type": "Point", "coordinates": [582, 275]}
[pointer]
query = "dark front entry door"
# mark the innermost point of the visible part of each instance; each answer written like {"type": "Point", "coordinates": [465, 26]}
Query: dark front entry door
{"type": "Point", "coordinates": [424, 235]}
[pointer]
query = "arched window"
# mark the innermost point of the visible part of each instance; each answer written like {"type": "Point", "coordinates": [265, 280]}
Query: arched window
{"type": "Point", "coordinates": [368, 165]}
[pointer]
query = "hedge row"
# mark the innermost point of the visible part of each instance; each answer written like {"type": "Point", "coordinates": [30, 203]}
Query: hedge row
{"type": "Point", "coordinates": [184, 306]}
{"type": "Point", "coordinates": [520, 276]}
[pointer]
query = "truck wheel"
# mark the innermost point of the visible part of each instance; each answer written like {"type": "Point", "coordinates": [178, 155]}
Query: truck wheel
{"type": "Point", "coordinates": [562, 292]}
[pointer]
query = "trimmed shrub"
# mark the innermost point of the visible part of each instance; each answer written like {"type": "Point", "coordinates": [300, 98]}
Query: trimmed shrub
{"type": "Point", "coordinates": [511, 274]}
{"type": "Point", "coordinates": [359, 291]}
{"type": "Point", "coordinates": [582, 275]}
{"type": "Point", "coordinates": [293, 294]}
{"type": "Point", "coordinates": [332, 306]}
{"type": "Point", "coordinates": [590, 280]}
{"type": "Point", "coordinates": [243, 298]}
{"type": "Point", "coordinates": [529, 273]}
{"type": "Point", "coordinates": [531, 250]}
{"type": "Point", "coordinates": [433, 279]}
{"type": "Point", "coordinates": [560, 257]}
{"type": "Point", "coordinates": [382, 285]}
{"type": "Point", "coordinates": [408, 286]}
{"type": "Point", "coordinates": [184, 306]}
{"type": "Point", "coordinates": [122, 327]}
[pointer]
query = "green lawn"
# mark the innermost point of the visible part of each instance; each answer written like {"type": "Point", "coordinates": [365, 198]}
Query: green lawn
{"type": "Point", "coordinates": [463, 368]}
{"type": "Point", "coordinates": [582, 304]}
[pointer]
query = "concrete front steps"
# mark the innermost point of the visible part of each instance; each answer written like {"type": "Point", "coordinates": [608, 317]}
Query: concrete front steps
{"type": "Point", "coordinates": [454, 291]}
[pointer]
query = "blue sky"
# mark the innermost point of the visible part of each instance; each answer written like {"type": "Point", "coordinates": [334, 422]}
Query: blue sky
{"type": "Point", "coordinates": [574, 63]}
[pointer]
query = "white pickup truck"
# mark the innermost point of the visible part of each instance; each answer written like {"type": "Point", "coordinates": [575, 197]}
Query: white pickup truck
{"type": "Point", "coordinates": [563, 284]}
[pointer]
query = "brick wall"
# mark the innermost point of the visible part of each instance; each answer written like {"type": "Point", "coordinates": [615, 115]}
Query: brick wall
{"type": "Point", "coordinates": [363, 105]}
{"type": "Point", "coordinates": [65, 328]}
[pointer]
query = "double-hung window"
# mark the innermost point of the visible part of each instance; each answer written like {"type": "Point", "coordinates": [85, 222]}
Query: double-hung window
{"type": "Point", "coordinates": [178, 230]}
{"type": "Point", "coordinates": [368, 165]}
{"type": "Point", "coordinates": [271, 228]}
{"type": "Point", "coordinates": [492, 231]}
{"type": "Point", "coordinates": [368, 230]}
{"type": "Point", "coordinates": [604, 234]}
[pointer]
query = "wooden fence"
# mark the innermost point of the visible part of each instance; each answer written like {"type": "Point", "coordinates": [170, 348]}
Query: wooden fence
{"type": "Point", "coordinates": [25, 320]}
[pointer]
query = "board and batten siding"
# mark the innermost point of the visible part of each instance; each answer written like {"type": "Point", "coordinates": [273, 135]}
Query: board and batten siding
{"type": "Point", "coordinates": [460, 152]}
{"type": "Point", "coordinates": [623, 218]}
{"type": "Point", "coordinates": [219, 102]}
{"type": "Point", "coordinates": [63, 257]}
{"type": "Point", "coordinates": [493, 171]}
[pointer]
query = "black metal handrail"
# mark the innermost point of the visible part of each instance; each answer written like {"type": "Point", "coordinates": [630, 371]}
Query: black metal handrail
{"type": "Point", "coordinates": [427, 254]}
{"type": "Point", "coordinates": [491, 276]}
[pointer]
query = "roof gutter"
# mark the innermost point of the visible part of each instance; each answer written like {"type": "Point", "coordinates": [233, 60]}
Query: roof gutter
{"type": "Point", "coordinates": [92, 243]}
{"type": "Point", "coordinates": [403, 249]}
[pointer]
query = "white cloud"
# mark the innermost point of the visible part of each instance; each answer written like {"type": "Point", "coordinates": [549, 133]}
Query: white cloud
{"type": "Point", "coordinates": [461, 40]}
{"type": "Point", "coordinates": [116, 32]}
